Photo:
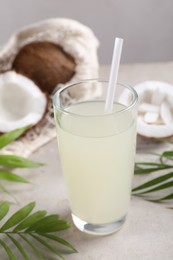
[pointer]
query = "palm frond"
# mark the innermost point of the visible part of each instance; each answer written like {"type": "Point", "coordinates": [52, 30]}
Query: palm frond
{"type": "Point", "coordinates": [160, 183]}
{"type": "Point", "coordinates": [11, 161]}
{"type": "Point", "coordinates": [25, 227]}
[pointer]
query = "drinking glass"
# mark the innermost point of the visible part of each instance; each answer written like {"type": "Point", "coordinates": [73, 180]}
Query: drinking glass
{"type": "Point", "coordinates": [97, 151]}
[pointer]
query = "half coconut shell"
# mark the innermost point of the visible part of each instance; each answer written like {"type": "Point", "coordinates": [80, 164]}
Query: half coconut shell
{"type": "Point", "coordinates": [22, 103]}
{"type": "Point", "coordinates": [46, 63]}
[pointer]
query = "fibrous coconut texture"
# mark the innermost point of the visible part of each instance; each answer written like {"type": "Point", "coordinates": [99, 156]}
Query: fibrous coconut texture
{"type": "Point", "coordinates": [48, 53]}
{"type": "Point", "coordinates": [155, 109]}
{"type": "Point", "coordinates": [45, 63]}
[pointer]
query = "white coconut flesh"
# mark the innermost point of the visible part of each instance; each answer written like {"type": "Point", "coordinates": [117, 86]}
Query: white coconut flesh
{"type": "Point", "coordinates": [22, 103]}
{"type": "Point", "coordinates": [155, 109]}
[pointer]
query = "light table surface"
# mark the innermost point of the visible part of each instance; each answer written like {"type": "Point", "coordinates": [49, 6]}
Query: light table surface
{"type": "Point", "coordinates": [148, 231]}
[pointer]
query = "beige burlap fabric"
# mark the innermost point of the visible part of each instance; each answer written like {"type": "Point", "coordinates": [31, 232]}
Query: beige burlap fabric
{"type": "Point", "coordinates": [77, 40]}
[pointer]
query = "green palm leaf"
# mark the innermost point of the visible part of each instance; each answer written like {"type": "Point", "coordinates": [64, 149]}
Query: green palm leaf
{"type": "Point", "coordinates": [168, 155]}
{"type": "Point", "coordinates": [32, 246]}
{"type": "Point", "coordinates": [160, 187]}
{"type": "Point", "coordinates": [60, 240]}
{"type": "Point", "coordinates": [13, 161]}
{"type": "Point", "coordinates": [153, 182]}
{"type": "Point", "coordinates": [159, 183]}
{"type": "Point", "coordinates": [17, 162]}
{"type": "Point", "coordinates": [8, 250]}
{"type": "Point", "coordinates": [4, 208]}
{"type": "Point", "coordinates": [162, 199]}
{"type": "Point", "coordinates": [49, 224]}
{"type": "Point", "coordinates": [9, 176]}
{"type": "Point", "coordinates": [11, 136]}
{"type": "Point", "coordinates": [159, 165]}
{"type": "Point", "coordinates": [168, 197]}
{"type": "Point", "coordinates": [31, 220]}
{"type": "Point", "coordinates": [48, 246]}
{"type": "Point", "coordinates": [19, 247]}
{"type": "Point", "coordinates": [155, 167]}
{"type": "Point", "coordinates": [18, 216]}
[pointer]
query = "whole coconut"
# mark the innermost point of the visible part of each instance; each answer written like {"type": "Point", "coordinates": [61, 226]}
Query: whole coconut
{"type": "Point", "coordinates": [46, 63]}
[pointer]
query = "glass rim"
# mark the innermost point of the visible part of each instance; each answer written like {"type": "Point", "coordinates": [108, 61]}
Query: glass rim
{"type": "Point", "coordinates": [68, 85]}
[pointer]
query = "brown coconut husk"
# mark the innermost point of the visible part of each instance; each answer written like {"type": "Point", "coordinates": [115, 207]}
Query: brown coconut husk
{"type": "Point", "coordinates": [46, 63]}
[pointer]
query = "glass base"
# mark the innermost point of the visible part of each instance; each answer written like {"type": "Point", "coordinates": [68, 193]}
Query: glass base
{"type": "Point", "coordinates": [98, 229]}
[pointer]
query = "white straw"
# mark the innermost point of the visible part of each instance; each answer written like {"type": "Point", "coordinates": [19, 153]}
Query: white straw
{"type": "Point", "coordinates": [113, 74]}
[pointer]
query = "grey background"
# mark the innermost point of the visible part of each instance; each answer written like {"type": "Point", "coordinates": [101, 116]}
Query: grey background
{"type": "Point", "coordinates": [145, 25]}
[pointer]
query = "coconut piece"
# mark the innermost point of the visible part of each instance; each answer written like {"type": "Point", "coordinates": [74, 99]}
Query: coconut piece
{"type": "Point", "coordinates": [151, 117]}
{"type": "Point", "coordinates": [158, 97]}
{"type": "Point", "coordinates": [154, 97]}
{"type": "Point", "coordinates": [161, 93]}
{"type": "Point", "coordinates": [153, 130]}
{"type": "Point", "coordinates": [165, 113]}
{"type": "Point", "coordinates": [170, 101]}
{"type": "Point", "coordinates": [46, 63]}
{"type": "Point", "coordinates": [153, 87]}
{"type": "Point", "coordinates": [146, 107]}
{"type": "Point", "coordinates": [22, 103]}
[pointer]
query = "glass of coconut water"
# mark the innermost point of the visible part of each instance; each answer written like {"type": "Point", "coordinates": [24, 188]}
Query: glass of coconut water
{"type": "Point", "coordinates": [97, 151]}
